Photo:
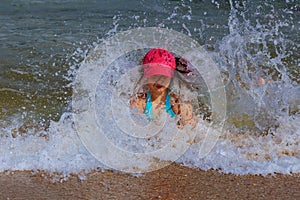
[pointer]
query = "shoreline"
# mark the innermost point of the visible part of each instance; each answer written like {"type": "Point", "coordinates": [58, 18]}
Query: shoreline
{"type": "Point", "coordinates": [171, 182]}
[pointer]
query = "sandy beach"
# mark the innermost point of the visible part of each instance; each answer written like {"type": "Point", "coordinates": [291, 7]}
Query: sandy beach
{"type": "Point", "coordinates": [172, 182]}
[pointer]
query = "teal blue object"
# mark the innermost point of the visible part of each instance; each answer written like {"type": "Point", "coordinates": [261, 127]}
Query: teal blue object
{"type": "Point", "coordinates": [149, 111]}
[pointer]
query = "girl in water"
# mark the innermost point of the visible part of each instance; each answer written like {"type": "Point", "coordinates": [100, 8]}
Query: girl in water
{"type": "Point", "coordinates": [159, 66]}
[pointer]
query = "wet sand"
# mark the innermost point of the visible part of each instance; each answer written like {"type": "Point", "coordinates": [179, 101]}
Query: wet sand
{"type": "Point", "coordinates": [172, 182]}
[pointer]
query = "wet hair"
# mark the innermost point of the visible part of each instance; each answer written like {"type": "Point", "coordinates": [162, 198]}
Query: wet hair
{"type": "Point", "coordinates": [188, 73]}
{"type": "Point", "coordinates": [182, 65]}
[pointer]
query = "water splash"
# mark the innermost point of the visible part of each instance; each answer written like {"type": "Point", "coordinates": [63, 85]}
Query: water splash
{"type": "Point", "coordinates": [265, 110]}
{"type": "Point", "coordinates": [259, 86]}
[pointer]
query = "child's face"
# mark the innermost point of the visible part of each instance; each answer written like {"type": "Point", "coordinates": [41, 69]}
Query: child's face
{"type": "Point", "coordinates": [159, 82]}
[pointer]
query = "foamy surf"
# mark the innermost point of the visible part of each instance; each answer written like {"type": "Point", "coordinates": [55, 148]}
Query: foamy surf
{"type": "Point", "coordinates": [63, 152]}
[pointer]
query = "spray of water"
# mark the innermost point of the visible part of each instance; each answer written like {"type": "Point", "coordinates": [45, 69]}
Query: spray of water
{"type": "Point", "coordinates": [262, 95]}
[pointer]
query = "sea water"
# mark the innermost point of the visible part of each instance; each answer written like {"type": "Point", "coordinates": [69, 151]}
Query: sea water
{"type": "Point", "coordinates": [44, 43]}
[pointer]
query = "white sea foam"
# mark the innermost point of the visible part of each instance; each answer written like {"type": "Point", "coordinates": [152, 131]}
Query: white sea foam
{"type": "Point", "coordinates": [64, 153]}
{"type": "Point", "coordinates": [246, 154]}
{"type": "Point", "coordinates": [61, 151]}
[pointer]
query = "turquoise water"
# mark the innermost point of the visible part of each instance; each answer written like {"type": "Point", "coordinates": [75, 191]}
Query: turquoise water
{"type": "Point", "coordinates": [43, 43]}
